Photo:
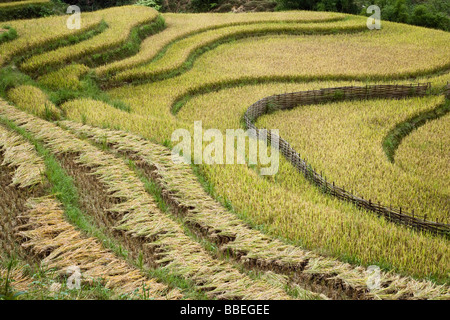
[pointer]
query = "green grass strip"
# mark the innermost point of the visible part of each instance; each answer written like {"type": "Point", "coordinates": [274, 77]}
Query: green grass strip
{"type": "Point", "coordinates": [8, 35]}
{"type": "Point", "coordinates": [130, 47]}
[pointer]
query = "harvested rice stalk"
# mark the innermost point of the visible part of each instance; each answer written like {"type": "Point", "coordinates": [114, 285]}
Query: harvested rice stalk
{"type": "Point", "coordinates": [20, 178]}
{"type": "Point", "coordinates": [17, 277]}
{"type": "Point", "coordinates": [199, 210]}
{"type": "Point", "coordinates": [20, 154]}
{"type": "Point", "coordinates": [143, 225]}
{"type": "Point", "coordinates": [45, 233]}
{"type": "Point", "coordinates": [206, 217]}
{"type": "Point", "coordinates": [53, 241]}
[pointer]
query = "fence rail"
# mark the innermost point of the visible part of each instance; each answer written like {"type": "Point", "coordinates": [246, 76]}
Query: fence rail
{"type": "Point", "coordinates": [294, 99]}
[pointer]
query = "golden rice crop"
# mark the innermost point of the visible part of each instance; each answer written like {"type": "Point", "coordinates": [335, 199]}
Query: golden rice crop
{"type": "Point", "coordinates": [344, 141]}
{"type": "Point", "coordinates": [426, 154]}
{"type": "Point", "coordinates": [182, 25]}
{"type": "Point", "coordinates": [17, 152]}
{"type": "Point", "coordinates": [231, 234]}
{"type": "Point", "coordinates": [20, 281]}
{"type": "Point", "coordinates": [178, 53]}
{"type": "Point", "coordinates": [120, 21]}
{"type": "Point", "coordinates": [142, 221]}
{"type": "Point", "coordinates": [35, 33]}
{"type": "Point", "coordinates": [331, 55]}
{"type": "Point", "coordinates": [44, 232]}
{"type": "Point", "coordinates": [65, 78]}
{"type": "Point", "coordinates": [33, 100]}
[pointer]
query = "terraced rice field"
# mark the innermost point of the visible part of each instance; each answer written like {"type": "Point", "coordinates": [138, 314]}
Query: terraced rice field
{"type": "Point", "coordinates": [89, 181]}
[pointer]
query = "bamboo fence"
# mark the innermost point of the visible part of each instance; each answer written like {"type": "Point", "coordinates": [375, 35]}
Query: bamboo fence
{"type": "Point", "coordinates": [294, 99]}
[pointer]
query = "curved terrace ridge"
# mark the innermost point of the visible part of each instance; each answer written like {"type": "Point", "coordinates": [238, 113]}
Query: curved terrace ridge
{"type": "Point", "coordinates": [221, 35]}
{"type": "Point", "coordinates": [394, 138]}
{"type": "Point", "coordinates": [294, 99]}
{"type": "Point", "coordinates": [118, 66]}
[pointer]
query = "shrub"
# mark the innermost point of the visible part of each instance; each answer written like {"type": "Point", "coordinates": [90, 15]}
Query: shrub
{"type": "Point", "coordinates": [155, 4]}
{"type": "Point", "coordinates": [430, 14]}
{"type": "Point", "coordinates": [423, 16]}
{"type": "Point", "coordinates": [91, 5]}
{"type": "Point", "coordinates": [204, 5]}
{"type": "Point", "coordinates": [401, 11]}
{"type": "Point", "coordinates": [296, 4]}
{"type": "Point", "coordinates": [347, 6]}
{"type": "Point", "coordinates": [26, 11]}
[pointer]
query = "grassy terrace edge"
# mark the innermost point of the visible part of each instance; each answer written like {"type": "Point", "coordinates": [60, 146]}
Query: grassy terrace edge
{"type": "Point", "coordinates": [130, 46]}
